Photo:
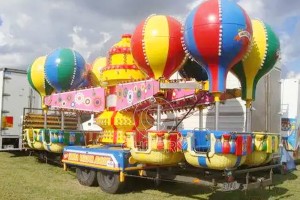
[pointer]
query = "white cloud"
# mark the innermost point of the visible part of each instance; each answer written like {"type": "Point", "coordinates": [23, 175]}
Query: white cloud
{"type": "Point", "coordinates": [23, 20]}
{"type": "Point", "coordinates": [286, 50]}
{"type": "Point", "coordinates": [293, 75]}
{"type": "Point", "coordinates": [255, 9]}
{"type": "Point", "coordinates": [5, 35]}
{"type": "Point", "coordinates": [13, 60]}
{"type": "Point", "coordinates": [193, 4]}
{"type": "Point", "coordinates": [79, 43]}
{"type": "Point", "coordinates": [83, 45]}
{"type": "Point", "coordinates": [128, 26]}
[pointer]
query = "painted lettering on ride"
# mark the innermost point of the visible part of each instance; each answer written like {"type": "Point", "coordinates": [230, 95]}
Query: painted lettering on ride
{"type": "Point", "coordinates": [87, 158]}
{"type": "Point", "coordinates": [102, 160]}
{"type": "Point", "coordinates": [90, 159]}
{"type": "Point", "coordinates": [73, 157]}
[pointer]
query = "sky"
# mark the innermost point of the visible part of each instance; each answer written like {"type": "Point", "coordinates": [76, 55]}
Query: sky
{"type": "Point", "coordinates": [33, 28]}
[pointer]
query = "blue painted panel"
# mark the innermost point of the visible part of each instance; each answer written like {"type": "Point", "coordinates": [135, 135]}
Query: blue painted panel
{"type": "Point", "coordinates": [202, 161]}
{"type": "Point", "coordinates": [120, 155]}
{"type": "Point", "coordinates": [202, 143]}
{"type": "Point", "coordinates": [238, 161]}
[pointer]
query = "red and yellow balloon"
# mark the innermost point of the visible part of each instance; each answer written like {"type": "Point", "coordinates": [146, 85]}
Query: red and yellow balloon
{"type": "Point", "coordinates": [156, 46]}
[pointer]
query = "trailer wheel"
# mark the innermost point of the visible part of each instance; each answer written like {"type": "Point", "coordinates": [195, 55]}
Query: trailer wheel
{"type": "Point", "coordinates": [86, 176]}
{"type": "Point", "coordinates": [109, 182]}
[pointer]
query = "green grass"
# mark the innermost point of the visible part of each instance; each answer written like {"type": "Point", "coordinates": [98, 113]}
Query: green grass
{"type": "Point", "coordinates": [23, 177]}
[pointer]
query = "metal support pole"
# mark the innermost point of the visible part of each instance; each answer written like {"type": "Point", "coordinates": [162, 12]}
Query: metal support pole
{"type": "Point", "coordinates": [217, 105]}
{"type": "Point", "coordinates": [45, 119]}
{"type": "Point", "coordinates": [200, 117]}
{"type": "Point", "coordinates": [158, 117]}
{"type": "Point", "coordinates": [30, 100]}
{"type": "Point", "coordinates": [248, 116]}
{"type": "Point", "coordinates": [62, 120]}
{"type": "Point", "coordinates": [176, 122]}
{"type": "Point", "coordinates": [248, 120]}
{"type": "Point", "coordinates": [269, 103]}
{"type": "Point", "coordinates": [78, 121]}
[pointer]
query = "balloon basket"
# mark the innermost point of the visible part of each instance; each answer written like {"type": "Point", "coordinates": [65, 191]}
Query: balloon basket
{"type": "Point", "coordinates": [216, 150]}
{"type": "Point", "coordinates": [266, 148]}
{"type": "Point", "coordinates": [216, 162]}
{"type": "Point", "coordinates": [34, 140]}
{"type": "Point", "coordinates": [55, 140]}
{"type": "Point", "coordinates": [156, 148]}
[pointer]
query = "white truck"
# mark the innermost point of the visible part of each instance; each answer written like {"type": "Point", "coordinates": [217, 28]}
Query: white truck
{"type": "Point", "coordinates": [15, 95]}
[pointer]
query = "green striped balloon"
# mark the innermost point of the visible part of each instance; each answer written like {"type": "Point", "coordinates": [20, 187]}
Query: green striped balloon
{"type": "Point", "coordinates": [259, 60]}
{"type": "Point", "coordinates": [36, 78]}
{"type": "Point", "coordinates": [65, 69]}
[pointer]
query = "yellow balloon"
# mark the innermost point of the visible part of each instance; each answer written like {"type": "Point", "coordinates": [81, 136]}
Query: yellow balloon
{"type": "Point", "coordinates": [256, 56]}
{"type": "Point", "coordinates": [97, 65]}
{"type": "Point", "coordinates": [260, 59]}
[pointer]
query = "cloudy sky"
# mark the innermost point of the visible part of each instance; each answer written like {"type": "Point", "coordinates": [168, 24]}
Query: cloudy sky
{"type": "Point", "coordinates": [31, 28]}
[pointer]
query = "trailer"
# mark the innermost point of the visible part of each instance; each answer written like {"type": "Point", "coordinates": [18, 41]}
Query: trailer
{"type": "Point", "coordinates": [109, 165]}
{"type": "Point", "coordinates": [132, 98]}
{"type": "Point", "coordinates": [290, 110]}
{"type": "Point", "coordinates": [16, 94]}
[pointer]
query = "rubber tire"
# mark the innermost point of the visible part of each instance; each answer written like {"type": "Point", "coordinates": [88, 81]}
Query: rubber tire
{"type": "Point", "coordinates": [109, 182]}
{"type": "Point", "coordinates": [86, 177]}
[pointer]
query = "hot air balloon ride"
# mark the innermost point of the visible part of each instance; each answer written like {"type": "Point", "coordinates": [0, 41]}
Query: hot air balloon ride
{"type": "Point", "coordinates": [217, 35]}
{"type": "Point", "coordinates": [257, 63]}
{"type": "Point", "coordinates": [129, 94]}
{"type": "Point", "coordinates": [156, 46]}
{"type": "Point", "coordinates": [37, 80]}
{"type": "Point", "coordinates": [65, 69]}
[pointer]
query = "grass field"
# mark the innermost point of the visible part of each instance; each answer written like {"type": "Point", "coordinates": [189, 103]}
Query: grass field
{"type": "Point", "coordinates": [24, 177]}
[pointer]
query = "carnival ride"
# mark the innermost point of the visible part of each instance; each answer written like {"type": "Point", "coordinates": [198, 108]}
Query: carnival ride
{"type": "Point", "coordinates": [129, 90]}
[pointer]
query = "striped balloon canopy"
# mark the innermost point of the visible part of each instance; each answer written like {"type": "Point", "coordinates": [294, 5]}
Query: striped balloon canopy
{"type": "Point", "coordinates": [65, 69]}
{"type": "Point", "coordinates": [156, 46]}
{"type": "Point", "coordinates": [36, 78]}
{"type": "Point", "coordinates": [192, 69]}
{"type": "Point", "coordinates": [97, 65]}
{"type": "Point", "coordinates": [217, 35]}
{"type": "Point", "coordinates": [260, 60]}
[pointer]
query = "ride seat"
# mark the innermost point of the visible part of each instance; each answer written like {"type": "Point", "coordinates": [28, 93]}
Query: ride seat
{"type": "Point", "coordinates": [202, 142]}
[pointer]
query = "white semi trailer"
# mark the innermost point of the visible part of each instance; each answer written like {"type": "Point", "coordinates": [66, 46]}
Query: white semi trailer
{"type": "Point", "coordinates": [15, 95]}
